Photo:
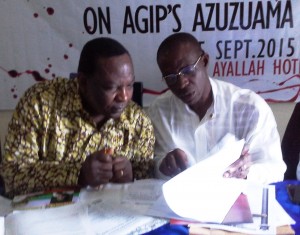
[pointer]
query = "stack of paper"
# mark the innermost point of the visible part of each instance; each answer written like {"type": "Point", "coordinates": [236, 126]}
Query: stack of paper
{"type": "Point", "coordinates": [98, 212]}
{"type": "Point", "coordinates": [201, 194]}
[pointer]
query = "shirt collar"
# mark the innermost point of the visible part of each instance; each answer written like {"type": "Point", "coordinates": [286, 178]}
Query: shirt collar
{"type": "Point", "coordinates": [77, 99]}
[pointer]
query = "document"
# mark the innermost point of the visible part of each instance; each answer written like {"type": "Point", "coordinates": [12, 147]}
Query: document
{"type": "Point", "coordinates": [203, 197]}
{"type": "Point", "coordinates": [144, 191]}
{"type": "Point", "coordinates": [61, 220]}
{"type": "Point", "coordinates": [2, 230]}
{"type": "Point", "coordinates": [99, 211]}
{"type": "Point", "coordinates": [276, 214]}
{"type": "Point", "coordinates": [115, 219]}
{"type": "Point", "coordinates": [201, 192]}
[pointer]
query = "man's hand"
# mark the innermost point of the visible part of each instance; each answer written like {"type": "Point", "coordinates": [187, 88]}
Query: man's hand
{"type": "Point", "coordinates": [122, 170]}
{"type": "Point", "coordinates": [97, 169]}
{"type": "Point", "coordinates": [174, 162]}
{"type": "Point", "coordinates": [240, 168]}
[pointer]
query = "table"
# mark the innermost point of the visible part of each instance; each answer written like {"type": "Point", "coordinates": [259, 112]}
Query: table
{"type": "Point", "coordinates": [292, 209]}
{"type": "Point", "coordinates": [281, 195]}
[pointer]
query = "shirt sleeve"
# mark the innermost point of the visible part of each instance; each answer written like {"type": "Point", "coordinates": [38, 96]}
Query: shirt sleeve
{"type": "Point", "coordinates": [263, 140]}
{"type": "Point", "coordinates": [23, 168]}
{"type": "Point", "coordinates": [164, 142]}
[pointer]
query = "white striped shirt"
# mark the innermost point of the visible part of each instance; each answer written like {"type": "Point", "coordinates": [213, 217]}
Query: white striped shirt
{"type": "Point", "coordinates": [235, 111]}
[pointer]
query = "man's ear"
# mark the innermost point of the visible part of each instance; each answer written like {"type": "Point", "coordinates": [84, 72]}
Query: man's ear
{"type": "Point", "coordinates": [82, 81]}
{"type": "Point", "coordinates": [205, 59]}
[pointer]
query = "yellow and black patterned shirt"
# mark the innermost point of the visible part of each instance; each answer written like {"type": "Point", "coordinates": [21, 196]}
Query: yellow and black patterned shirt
{"type": "Point", "coordinates": [50, 136]}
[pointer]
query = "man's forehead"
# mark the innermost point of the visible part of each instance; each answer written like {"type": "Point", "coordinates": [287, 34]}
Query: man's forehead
{"type": "Point", "coordinates": [178, 49]}
{"type": "Point", "coordinates": [113, 62]}
{"type": "Point", "coordinates": [182, 52]}
{"type": "Point", "coordinates": [108, 69]}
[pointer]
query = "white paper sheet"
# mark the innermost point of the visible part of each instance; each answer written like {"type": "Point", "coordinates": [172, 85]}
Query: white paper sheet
{"type": "Point", "coordinates": [100, 216]}
{"type": "Point", "coordinates": [201, 192]}
{"type": "Point", "coordinates": [65, 220]}
{"type": "Point", "coordinates": [276, 214]}
{"type": "Point", "coordinates": [2, 229]}
{"type": "Point", "coordinates": [144, 191]}
{"type": "Point", "coordinates": [115, 219]}
{"type": "Point", "coordinates": [108, 192]}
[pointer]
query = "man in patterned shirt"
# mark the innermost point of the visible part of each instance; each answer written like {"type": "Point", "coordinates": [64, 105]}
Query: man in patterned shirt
{"type": "Point", "coordinates": [82, 131]}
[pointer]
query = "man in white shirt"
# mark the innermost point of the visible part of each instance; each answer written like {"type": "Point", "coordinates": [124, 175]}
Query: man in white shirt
{"type": "Point", "coordinates": [199, 114]}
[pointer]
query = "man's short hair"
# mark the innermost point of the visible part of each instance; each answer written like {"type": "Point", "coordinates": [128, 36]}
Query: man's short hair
{"type": "Point", "coordinates": [98, 48]}
{"type": "Point", "coordinates": [175, 39]}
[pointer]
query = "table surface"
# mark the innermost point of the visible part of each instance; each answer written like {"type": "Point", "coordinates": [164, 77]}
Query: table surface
{"type": "Point", "coordinates": [283, 198]}
{"type": "Point", "coordinates": [281, 195]}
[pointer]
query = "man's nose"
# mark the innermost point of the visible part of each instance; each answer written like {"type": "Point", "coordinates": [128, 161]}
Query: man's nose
{"type": "Point", "coordinates": [123, 95]}
{"type": "Point", "coordinates": [182, 81]}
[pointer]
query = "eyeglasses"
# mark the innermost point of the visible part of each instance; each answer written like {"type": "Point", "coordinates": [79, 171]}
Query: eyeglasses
{"type": "Point", "coordinates": [189, 70]}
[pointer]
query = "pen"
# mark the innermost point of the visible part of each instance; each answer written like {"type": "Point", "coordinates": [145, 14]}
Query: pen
{"type": "Point", "coordinates": [259, 215]}
{"type": "Point", "coordinates": [264, 210]}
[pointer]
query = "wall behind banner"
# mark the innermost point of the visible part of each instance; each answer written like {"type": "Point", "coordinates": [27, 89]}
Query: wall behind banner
{"type": "Point", "coordinates": [253, 44]}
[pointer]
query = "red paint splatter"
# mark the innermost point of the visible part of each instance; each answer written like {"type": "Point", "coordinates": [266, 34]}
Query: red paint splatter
{"type": "Point", "coordinates": [281, 83]}
{"type": "Point", "coordinates": [70, 45]}
{"type": "Point", "coordinates": [35, 15]}
{"type": "Point", "coordinates": [13, 73]}
{"type": "Point", "coordinates": [53, 75]}
{"type": "Point", "coordinates": [278, 89]}
{"type": "Point", "coordinates": [293, 99]}
{"type": "Point", "coordinates": [36, 75]}
{"type": "Point", "coordinates": [47, 70]}
{"type": "Point", "coordinates": [253, 80]}
{"type": "Point", "coordinates": [50, 11]}
{"type": "Point", "coordinates": [66, 56]}
{"type": "Point", "coordinates": [13, 91]}
{"type": "Point", "coordinates": [49, 65]}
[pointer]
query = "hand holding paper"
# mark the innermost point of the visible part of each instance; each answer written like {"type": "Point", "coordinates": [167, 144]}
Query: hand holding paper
{"type": "Point", "coordinates": [201, 192]}
{"type": "Point", "coordinates": [240, 168]}
{"type": "Point", "coordinates": [174, 162]}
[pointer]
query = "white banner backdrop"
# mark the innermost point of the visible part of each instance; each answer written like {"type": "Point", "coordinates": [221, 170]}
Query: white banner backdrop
{"type": "Point", "coordinates": [253, 44]}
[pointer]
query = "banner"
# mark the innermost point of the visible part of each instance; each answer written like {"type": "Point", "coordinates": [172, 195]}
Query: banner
{"type": "Point", "coordinates": [253, 44]}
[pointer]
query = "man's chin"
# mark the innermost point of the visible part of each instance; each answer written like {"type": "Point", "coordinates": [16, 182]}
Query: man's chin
{"type": "Point", "coordinates": [116, 114]}
{"type": "Point", "coordinates": [188, 99]}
